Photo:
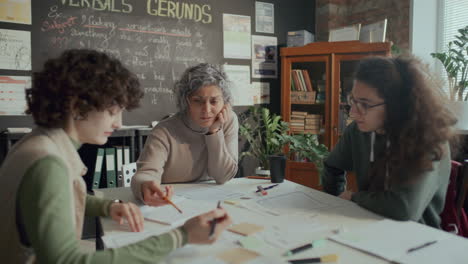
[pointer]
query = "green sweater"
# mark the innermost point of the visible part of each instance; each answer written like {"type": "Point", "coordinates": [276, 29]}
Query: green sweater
{"type": "Point", "coordinates": [421, 201]}
{"type": "Point", "coordinates": [49, 224]}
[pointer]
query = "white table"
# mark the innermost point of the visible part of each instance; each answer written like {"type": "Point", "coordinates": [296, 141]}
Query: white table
{"type": "Point", "coordinates": [331, 213]}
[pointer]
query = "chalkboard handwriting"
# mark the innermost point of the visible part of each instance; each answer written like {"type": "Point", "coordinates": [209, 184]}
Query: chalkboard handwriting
{"type": "Point", "coordinates": [158, 77]}
{"type": "Point", "coordinates": [158, 31]}
{"type": "Point", "coordinates": [59, 26]}
{"type": "Point", "coordinates": [53, 12]}
{"type": "Point", "coordinates": [173, 9]}
{"type": "Point", "coordinates": [91, 33]}
{"type": "Point", "coordinates": [59, 42]}
{"type": "Point", "coordinates": [157, 92]}
{"type": "Point", "coordinates": [157, 49]}
{"type": "Point", "coordinates": [97, 22]}
{"type": "Point", "coordinates": [101, 5]}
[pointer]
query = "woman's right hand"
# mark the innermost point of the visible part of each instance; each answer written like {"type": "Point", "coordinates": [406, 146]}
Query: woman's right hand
{"type": "Point", "coordinates": [198, 228]}
{"type": "Point", "coordinates": [153, 195]}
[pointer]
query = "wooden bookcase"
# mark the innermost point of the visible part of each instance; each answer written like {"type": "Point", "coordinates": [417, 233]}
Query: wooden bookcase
{"type": "Point", "coordinates": [329, 65]}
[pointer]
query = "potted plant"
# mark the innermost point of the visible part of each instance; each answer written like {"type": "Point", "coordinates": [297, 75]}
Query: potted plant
{"type": "Point", "coordinates": [455, 62]}
{"type": "Point", "coordinates": [307, 148]}
{"type": "Point", "coordinates": [264, 133]}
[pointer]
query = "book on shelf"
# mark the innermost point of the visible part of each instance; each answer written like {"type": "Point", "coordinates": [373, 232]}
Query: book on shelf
{"type": "Point", "coordinates": [302, 113]}
{"type": "Point", "coordinates": [307, 80]}
{"type": "Point", "coordinates": [312, 126]}
{"type": "Point", "coordinates": [293, 83]}
{"type": "Point", "coordinates": [301, 79]}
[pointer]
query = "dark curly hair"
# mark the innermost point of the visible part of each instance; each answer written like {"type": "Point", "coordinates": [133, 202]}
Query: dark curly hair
{"type": "Point", "coordinates": [418, 122]}
{"type": "Point", "coordinates": [82, 80]}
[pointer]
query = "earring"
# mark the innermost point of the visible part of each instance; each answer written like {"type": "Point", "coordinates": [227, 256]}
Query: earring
{"type": "Point", "coordinates": [78, 117]}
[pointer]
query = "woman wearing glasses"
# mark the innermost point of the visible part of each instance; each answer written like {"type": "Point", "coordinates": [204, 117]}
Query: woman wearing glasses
{"type": "Point", "coordinates": [398, 144]}
{"type": "Point", "coordinates": [198, 143]}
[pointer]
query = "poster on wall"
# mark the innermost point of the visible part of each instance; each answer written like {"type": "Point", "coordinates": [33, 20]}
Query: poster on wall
{"type": "Point", "coordinates": [264, 57]}
{"type": "Point", "coordinates": [236, 32]}
{"type": "Point", "coordinates": [261, 92]}
{"type": "Point", "coordinates": [264, 17]}
{"type": "Point", "coordinates": [241, 89]}
{"type": "Point", "coordinates": [12, 94]}
{"type": "Point", "coordinates": [15, 11]}
{"type": "Point", "coordinates": [15, 50]}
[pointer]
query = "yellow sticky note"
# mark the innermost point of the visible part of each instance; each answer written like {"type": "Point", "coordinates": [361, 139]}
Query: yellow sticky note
{"type": "Point", "coordinates": [245, 229]}
{"type": "Point", "coordinates": [237, 255]}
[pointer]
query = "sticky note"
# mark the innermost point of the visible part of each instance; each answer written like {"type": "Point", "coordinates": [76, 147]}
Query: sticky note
{"type": "Point", "coordinates": [245, 229]}
{"type": "Point", "coordinates": [237, 255]}
{"type": "Point", "coordinates": [250, 242]}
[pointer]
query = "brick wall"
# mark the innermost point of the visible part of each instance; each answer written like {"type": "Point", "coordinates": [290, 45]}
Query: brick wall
{"type": "Point", "coordinates": [332, 14]}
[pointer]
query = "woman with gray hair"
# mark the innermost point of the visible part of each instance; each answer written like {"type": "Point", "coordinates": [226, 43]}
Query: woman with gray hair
{"type": "Point", "coordinates": [199, 143]}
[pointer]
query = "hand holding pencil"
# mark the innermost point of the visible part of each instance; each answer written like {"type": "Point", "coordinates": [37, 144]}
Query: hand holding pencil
{"type": "Point", "coordinates": [199, 227]}
{"type": "Point", "coordinates": [153, 194]}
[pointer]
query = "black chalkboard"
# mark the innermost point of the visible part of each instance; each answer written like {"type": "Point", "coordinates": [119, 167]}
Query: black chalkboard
{"type": "Point", "coordinates": [158, 48]}
{"type": "Point", "coordinates": [144, 35]}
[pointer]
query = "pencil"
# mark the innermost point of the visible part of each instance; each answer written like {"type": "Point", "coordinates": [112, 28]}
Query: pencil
{"type": "Point", "coordinates": [327, 258]}
{"type": "Point", "coordinates": [213, 223]}
{"type": "Point", "coordinates": [258, 177]}
{"type": "Point", "coordinates": [171, 203]}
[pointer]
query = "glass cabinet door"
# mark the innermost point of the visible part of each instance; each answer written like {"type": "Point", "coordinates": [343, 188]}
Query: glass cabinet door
{"type": "Point", "coordinates": [307, 96]}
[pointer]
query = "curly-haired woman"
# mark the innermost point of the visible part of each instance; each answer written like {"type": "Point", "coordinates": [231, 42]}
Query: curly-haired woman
{"type": "Point", "coordinates": [398, 144]}
{"type": "Point", "coordinates": [198, 143]}
{"type": "Point", "coordinates": [77, 98]}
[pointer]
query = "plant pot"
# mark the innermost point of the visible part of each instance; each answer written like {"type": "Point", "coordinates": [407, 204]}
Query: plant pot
{"type": "Point", "coordinates": [460, 109]}
{"type": "Point", "coordinates": [261, 172]}
{"type": "Point", "coordinates": [277, 168]}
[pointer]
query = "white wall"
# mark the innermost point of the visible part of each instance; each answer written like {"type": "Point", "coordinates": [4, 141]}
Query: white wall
{"type": "Point", "coordinates": [424, 29]}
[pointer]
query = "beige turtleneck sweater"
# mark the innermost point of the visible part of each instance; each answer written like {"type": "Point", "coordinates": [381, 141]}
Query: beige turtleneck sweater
{"type": "Point", "coordinates": [178, 150]}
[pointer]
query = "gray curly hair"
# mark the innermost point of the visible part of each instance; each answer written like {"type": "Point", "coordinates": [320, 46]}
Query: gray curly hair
{"type": "Point", "coordinates": [197, 77]}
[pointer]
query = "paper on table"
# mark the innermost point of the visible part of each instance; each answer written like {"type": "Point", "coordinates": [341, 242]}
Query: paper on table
{"type": "Point", "coordinates": [209, 192]}
{"type": "Point", "coordinates": [205, 260]}
{"type": "Point", "coordinates": [451, 250]}
{"type": "Point", "coordinates": [390, 239]}
{"type": "Point", "coordinates": [286, 202]}
{"type": "Point", "coordinates": [169, 215]}
{"type": "Point", "coordinates": [123, 239]}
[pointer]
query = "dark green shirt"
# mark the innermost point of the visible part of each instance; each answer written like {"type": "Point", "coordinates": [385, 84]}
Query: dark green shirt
{"type": "Point", "coordinates": [421, 201]}
{"type": "Point", "coordinates": [43, 199]}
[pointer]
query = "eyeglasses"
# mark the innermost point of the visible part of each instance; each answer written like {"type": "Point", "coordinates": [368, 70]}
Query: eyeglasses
{"type": "Point", "coordinates": [361, 107]}
{"type": "Point", "coordinates": [200, 101]}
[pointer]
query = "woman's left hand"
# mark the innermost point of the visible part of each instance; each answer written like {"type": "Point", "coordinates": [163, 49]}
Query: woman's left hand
{"type": "Point", "coordinates": [346, 195]}
{"type": "Point", "coordinates": [222, 117]}
{"type": "Point", "coordinates": [129, 212]}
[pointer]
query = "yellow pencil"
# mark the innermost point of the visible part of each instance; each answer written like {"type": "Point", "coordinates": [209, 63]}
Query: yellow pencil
{"type": "Point", "coordinates": [173, 204]}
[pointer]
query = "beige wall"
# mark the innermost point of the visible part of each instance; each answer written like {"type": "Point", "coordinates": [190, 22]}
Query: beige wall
{"type": "Point", "coordinates": [338, 13]}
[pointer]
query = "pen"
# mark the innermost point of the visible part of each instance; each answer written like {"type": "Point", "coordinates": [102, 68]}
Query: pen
{"type": "Point", "coordinates": [213, 222]}
{"type": "Point", "coordinates": [315, 243]}
{"type": "Point", "coordinates": [261, 190]}
{"type": "Point", "coordinates": [268, 187]}
{"type": "Point", "coordinates": [327, 258]}
{"type": "Point", "coordinates": [298, 249]}
{"type": "Point", "coordinates": [421, 246]}
{"type": "Point", "coordinates": [173, 204]}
